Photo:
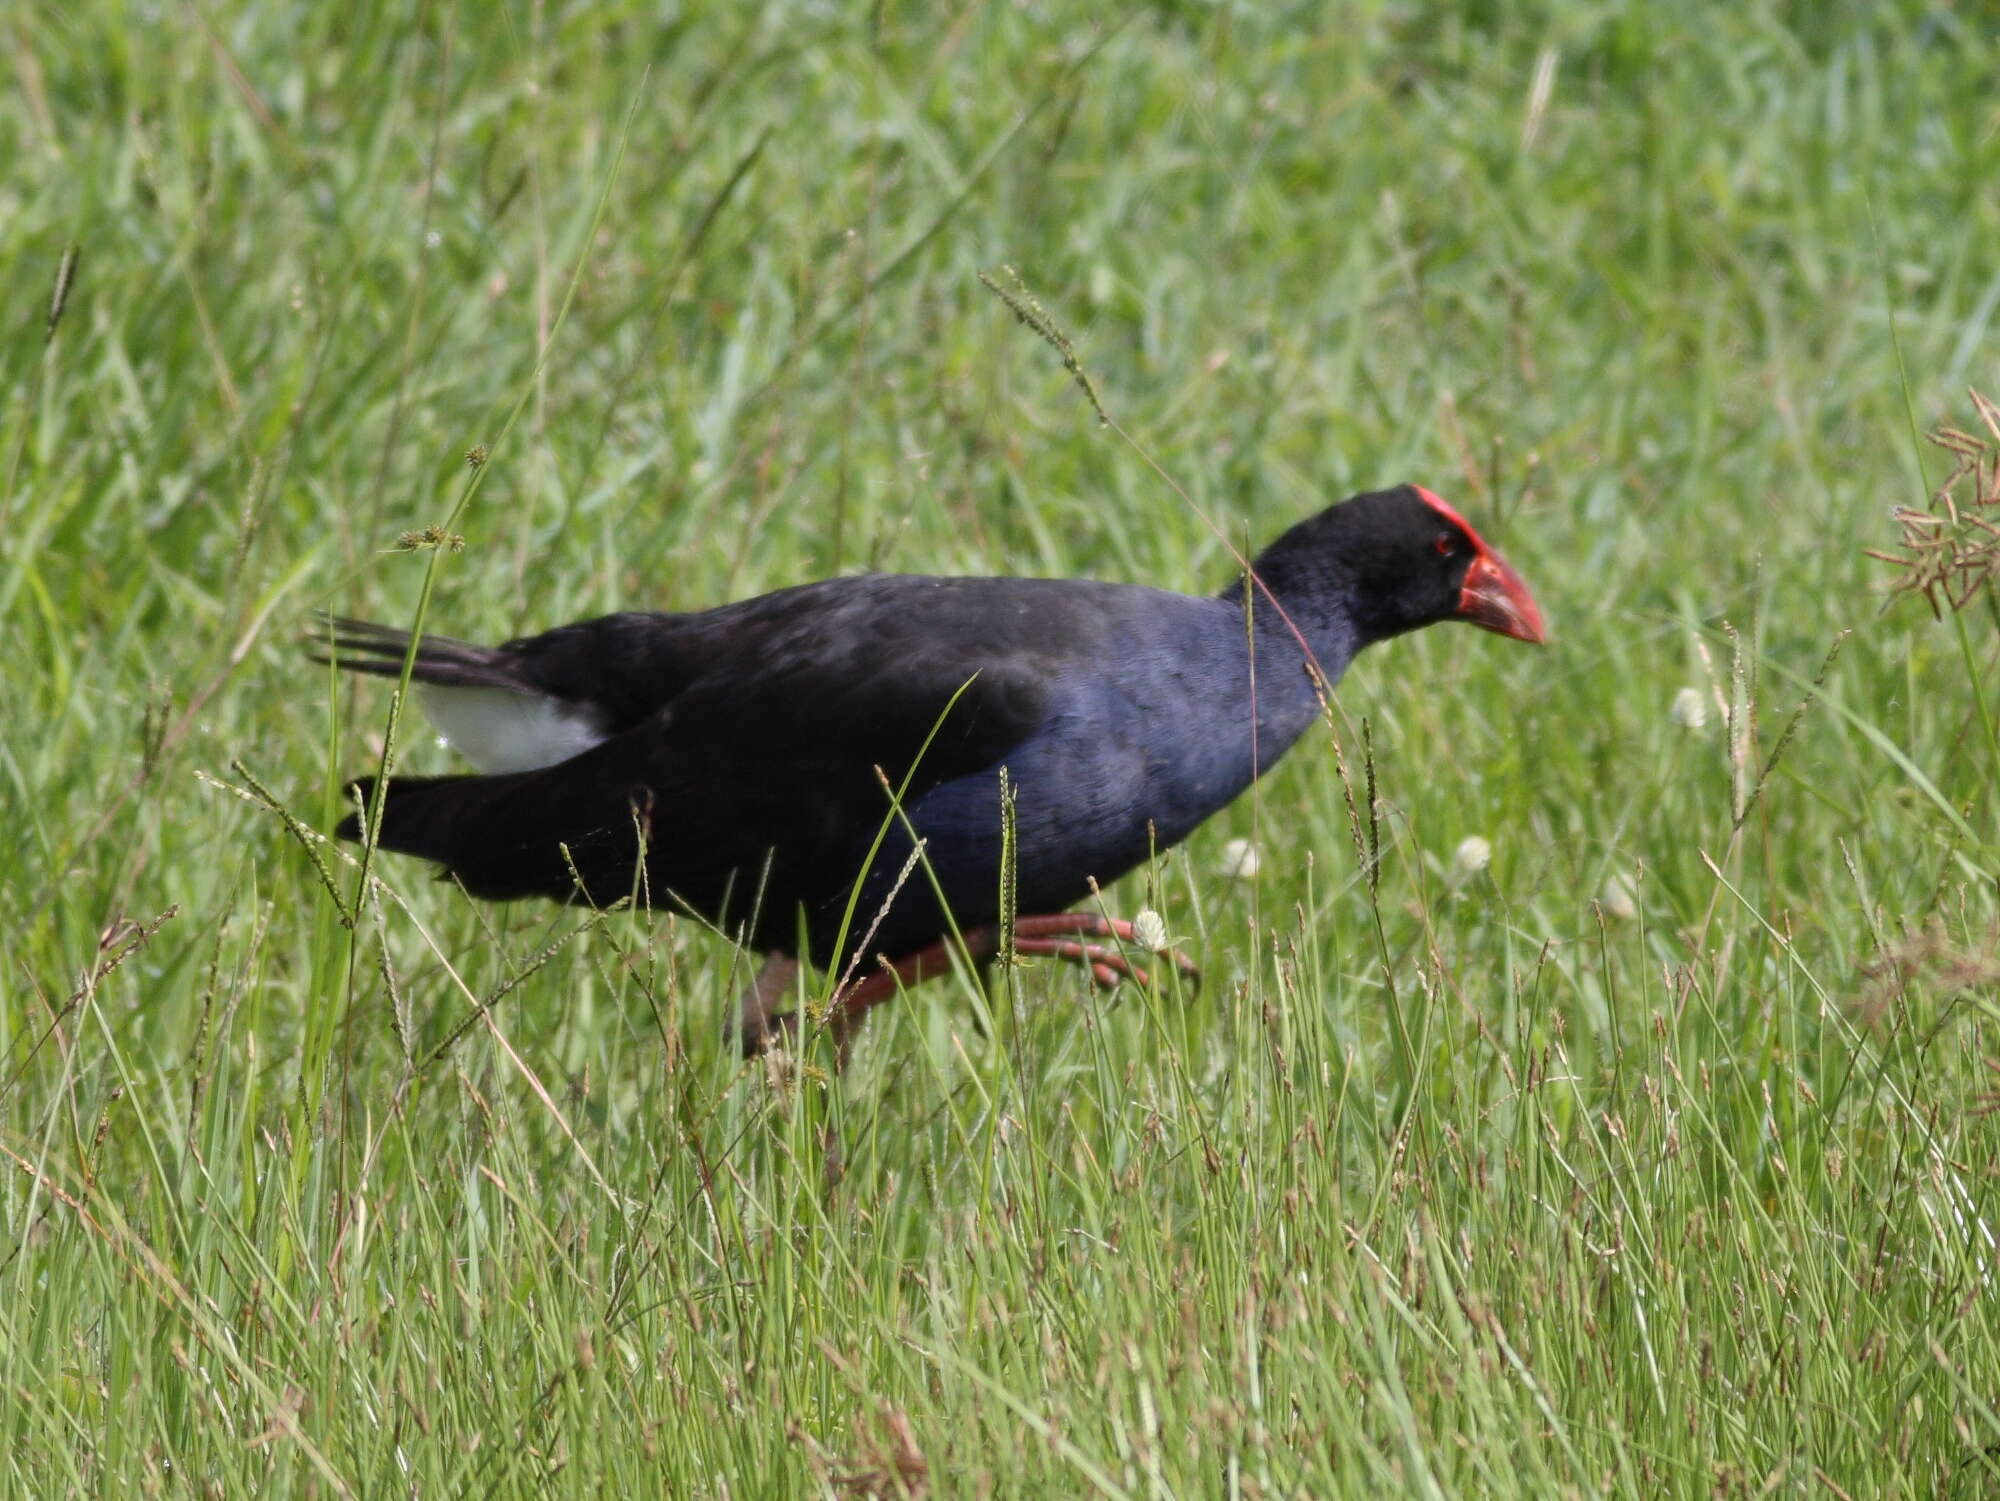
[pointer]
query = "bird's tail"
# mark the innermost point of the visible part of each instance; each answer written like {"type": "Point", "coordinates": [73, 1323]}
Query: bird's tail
{"type": "Point", "coordinates": [379, 650]}
{"type": "Point", "coordinates": [425, 816]}
{"type": "Point", "coordinates": [510, 836]}
{"type": "Point", "coordinates": [465, 824]}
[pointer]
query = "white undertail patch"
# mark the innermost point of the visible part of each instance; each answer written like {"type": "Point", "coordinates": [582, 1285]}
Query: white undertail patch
{"type": "Point", "coordinates": [501, 731]}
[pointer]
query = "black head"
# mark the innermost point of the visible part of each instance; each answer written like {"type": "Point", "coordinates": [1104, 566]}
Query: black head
{"type": "Point", "coordinates": [1394, 560]}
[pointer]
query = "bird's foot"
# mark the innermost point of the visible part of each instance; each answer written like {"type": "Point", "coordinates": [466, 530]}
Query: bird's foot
{"type": "Point", "coordinates": [779, 1030]}
{"type": "Point", "coordinates": [1084, 938]}
{"type": "Point", "coordinates": [1058, 935]}
{"type": "Point", "coordinates": [760, 1026]}
{"type": "Point", "coordinates": [1066, 935]}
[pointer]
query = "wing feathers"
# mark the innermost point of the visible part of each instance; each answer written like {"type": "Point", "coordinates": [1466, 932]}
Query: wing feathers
{"type": "Point", "coordinates": [740, 746]}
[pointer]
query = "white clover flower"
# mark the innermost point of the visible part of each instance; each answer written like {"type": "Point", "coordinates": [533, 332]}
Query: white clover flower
{"type": "Point", "coordinates": [1471, 857]}
{"type": "Point", "coordinates": [432, 239]}
{"type": "Point", "coordinates": [1619, 898]}
{"type": "Point", "coordinates": [1690, 709]}
{"type": "Point", "coordinates": [1240, 861]}
{"type": "Point", "coordinates": [1149, 930]}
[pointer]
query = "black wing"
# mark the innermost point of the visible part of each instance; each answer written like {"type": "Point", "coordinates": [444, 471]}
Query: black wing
{"type": "Point", "coordinates": [750, 744]}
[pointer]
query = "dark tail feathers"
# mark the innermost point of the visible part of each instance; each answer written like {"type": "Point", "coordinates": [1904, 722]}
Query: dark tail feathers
{"type": "Point", "coordinates": [501, 838]}
{"type": "Point", "coordinates": [424, 816]}
{"type": "Point", "coordinates": [360, 646]}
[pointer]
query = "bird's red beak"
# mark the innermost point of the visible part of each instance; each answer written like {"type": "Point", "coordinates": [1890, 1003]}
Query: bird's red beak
{"type": "Point", "coordinates": [1493, 598]}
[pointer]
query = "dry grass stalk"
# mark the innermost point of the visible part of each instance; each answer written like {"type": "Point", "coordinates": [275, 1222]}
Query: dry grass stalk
{"type": "Point", "coordinates": [1952, 550]}
{"type": "Point", "coordinates": [1932, 957]}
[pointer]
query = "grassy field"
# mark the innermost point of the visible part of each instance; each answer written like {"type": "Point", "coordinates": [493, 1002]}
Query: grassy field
{"type": "Point", "coordinates": [1655, 1157]}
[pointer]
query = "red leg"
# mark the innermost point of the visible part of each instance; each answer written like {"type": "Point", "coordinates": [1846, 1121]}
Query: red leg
{"type": "Point", "coordinates": [1031, 934]}
{"type": "Point", "coordinates": [853, 1004]}
{"type": "Point", "coordinates": [1056, 935]}
{"type": "Point", "coordinates": [758, 1018]}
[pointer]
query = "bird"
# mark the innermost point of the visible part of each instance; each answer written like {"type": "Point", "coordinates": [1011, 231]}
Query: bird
{"type": "Point", "coordinates": [837, 773]}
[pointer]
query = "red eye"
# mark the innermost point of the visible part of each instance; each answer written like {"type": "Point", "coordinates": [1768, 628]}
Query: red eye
{"type": "Point", "coordinates": [1443, 544]}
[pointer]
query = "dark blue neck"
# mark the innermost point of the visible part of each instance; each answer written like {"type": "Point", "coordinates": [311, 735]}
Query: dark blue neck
{"type": "Point", "coordinates": [1296, 637]}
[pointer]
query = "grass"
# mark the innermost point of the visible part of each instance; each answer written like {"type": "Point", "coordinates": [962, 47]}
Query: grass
{"type": "Point", "coordinates": [1655, 1158]}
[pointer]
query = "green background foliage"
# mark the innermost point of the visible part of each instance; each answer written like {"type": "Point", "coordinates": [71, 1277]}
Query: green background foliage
{"type": "Point", "coordinates": [1650, 1158]}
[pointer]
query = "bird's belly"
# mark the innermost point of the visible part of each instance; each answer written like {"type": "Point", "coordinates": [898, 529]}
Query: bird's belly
{"type": "Point", "coordinates": [1094, 821]}
{"type": "Point", "coordinates": [1109, 779]}
{"type": "Point", "coordinates": [1078, 820]}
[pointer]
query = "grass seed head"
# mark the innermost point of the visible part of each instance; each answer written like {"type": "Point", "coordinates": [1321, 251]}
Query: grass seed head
{"type": "Point", "coordinates": [1951, 551]}
{"type": "Point", "coordinates": [430, 539]}
{"type": "Point", "coordinates": [1932, 959]}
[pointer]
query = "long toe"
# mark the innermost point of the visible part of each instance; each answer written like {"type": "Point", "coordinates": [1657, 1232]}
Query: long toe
{"type": "Point", "coordinates": [759, 1022]}
{"type": "Point", "coordinates": [1106, 965]}
{"type": "Point", "coordinates": [779, 1030]}
{"type": "Point", "coordinates": [1057, 934]}
{"type": "Point", "coordinates": [1078, 937]}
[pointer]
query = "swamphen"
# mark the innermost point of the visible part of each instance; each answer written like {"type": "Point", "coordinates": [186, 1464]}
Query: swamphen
{"type": "Point", "coordinates": [750, 750]}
